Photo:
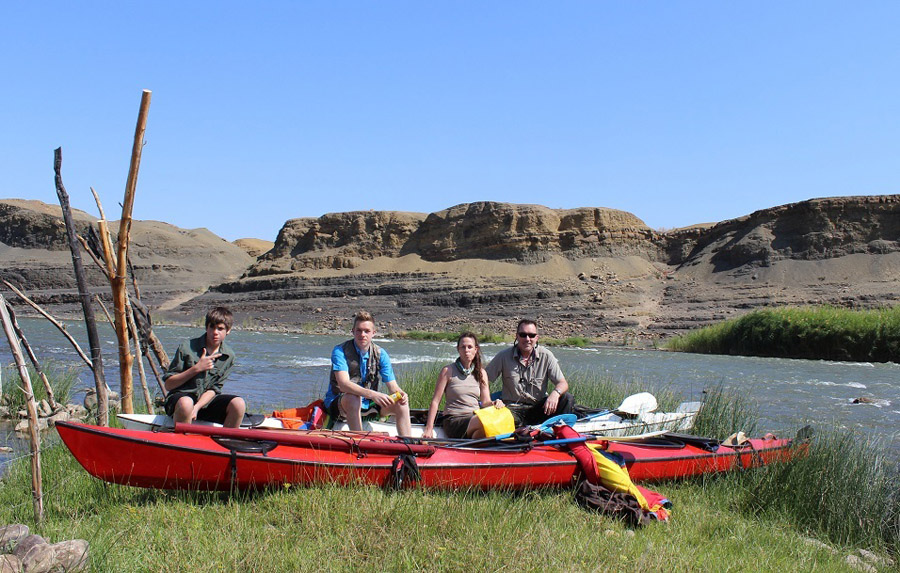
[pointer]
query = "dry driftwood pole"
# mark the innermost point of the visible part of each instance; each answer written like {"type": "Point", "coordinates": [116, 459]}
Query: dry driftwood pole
{"type": "Point", "coordinates": [84, 295]}
{"type": "Point", "coordinates": [36, 492]}
{"type": "Point", "coordinates": [120, 294]}
{"type": "Point", "coordinates": [145, 325]}
{"type": "Point", "coordinates": [34, 361]}
{"type": "Point", "coordinates": [132, 328]}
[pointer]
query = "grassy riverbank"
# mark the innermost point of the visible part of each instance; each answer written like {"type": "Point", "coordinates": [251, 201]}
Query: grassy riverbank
{"type": "Point", "coordinates": [810, 332]}
{"type": "Point", "coordinates": [843, 494]}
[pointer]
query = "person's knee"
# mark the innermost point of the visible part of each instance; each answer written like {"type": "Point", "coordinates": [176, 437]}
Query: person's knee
{"type": "Point", "coordinates": [350, 403]}
{"type": "Point", "coordinates": [238, 406]}
{"type": "Point", "coordinates": [184, 405]}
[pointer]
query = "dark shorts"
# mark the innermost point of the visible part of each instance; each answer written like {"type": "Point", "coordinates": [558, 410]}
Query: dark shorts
{"type": "Point", "coordinates": [531, 414]}
{"type": "Point", "coordinates": [455, 426]}
{"type": "Point", "coordinates": [215, 411]}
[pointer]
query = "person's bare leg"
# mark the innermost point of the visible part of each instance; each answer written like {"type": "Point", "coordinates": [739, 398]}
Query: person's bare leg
{"type": "Point", "coordinates": [234, 413]}
{"type": "Point", "coordinates": [475, 430]}
{"type": "Point", "coordinates": [401, 415]}
{"type": "Point", "coordinates": [184, 408]}
{"type": "Point", "coordinates": [349, 406]}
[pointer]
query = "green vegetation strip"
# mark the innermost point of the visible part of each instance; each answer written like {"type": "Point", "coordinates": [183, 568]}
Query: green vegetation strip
{"type": "Point", "coordinates": [823, 332]}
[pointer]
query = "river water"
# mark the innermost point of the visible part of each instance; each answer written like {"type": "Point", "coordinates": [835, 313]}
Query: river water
{"type": "Point", "coordinates": [277, 370]}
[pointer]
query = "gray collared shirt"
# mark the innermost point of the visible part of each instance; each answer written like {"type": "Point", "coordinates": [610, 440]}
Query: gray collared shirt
{"type": "Point", "coordinates": [525, 384]}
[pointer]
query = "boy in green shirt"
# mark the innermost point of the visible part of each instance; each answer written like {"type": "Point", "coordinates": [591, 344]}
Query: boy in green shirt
{"type": "Point", "coordinates": [196, 374]}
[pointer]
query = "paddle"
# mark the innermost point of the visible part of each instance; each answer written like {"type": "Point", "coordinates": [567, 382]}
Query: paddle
{"type": "Point", "coordinates": [634, 404]}
{"type": "Point", "coordinates": [567, 419]}
{"type": "Point", "coordinates": [558, 442]}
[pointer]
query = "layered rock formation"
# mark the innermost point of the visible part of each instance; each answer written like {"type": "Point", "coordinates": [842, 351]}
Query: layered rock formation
{"type": "Point", "coordinates": [592, 271]}
{"type": "Point", "coordinates": [168, 261]}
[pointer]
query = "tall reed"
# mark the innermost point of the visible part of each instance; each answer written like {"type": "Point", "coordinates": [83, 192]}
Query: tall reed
{"type": "Point", "coordinates": [822, 332]}
{"type": "Point", "coordinates": [62, 381]}
{"type": "Point", "coordinates": [846, 488]}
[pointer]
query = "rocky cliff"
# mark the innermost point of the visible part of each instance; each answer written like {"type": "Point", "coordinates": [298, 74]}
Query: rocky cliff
{"type": "Point", "coordinates": [168, 261]}
{"type": "Point", "coordinates": [483, 230]}
{"type": "Point", "coordinates": [593, 271]}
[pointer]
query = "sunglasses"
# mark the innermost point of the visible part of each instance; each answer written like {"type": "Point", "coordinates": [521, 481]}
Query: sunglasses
{"type": "Point", "coordinates": [528, 334]}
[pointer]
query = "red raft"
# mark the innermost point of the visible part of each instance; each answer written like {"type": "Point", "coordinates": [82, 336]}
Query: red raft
{"type": "Point", "coordinates": [197, 457]}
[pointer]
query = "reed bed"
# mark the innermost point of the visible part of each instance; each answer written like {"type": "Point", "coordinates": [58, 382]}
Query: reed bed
{"type": "Point", "coordinates": [62, 380]}
{"type": "Point", "coordinates": [821, 332]}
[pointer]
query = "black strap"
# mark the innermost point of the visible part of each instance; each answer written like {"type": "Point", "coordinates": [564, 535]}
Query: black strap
{"type": "Point", "coordinates": [404, 470]}
{"type": "Point", "coordinates": [235, 445]}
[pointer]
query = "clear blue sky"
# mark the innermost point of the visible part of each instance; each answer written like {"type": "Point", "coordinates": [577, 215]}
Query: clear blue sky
{"type": "Point", "coordinates": [678, 112]}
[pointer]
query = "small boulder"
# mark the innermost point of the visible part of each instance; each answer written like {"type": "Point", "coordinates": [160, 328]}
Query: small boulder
{"type": "Point", "coordinates": [10, 564]}
{"type": "Point", "coordinates": [60, 416]}
{"type": "Point", "coordinates": [23, 425]}
{"type": "Point", "coordinates": [875, 559]}
{"type": "Point", "coordinates": [856, 562]}
{"type": "Point", "coordinates": [4, 412]}
{"type": "Point", "coordinates": [76, 411]}
{"type": "Point", "coordinates": [10, 535]}
{"type": "Point", "coordinates": [71, 555]}
{"type": "Point", "coordinates": [44, 408]}
{"type": "Point", "coordinates": [36, 554]}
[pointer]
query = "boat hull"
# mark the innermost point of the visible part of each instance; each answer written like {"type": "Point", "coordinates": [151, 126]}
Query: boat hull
{"type": "Point", "coordinates": [195, 461]}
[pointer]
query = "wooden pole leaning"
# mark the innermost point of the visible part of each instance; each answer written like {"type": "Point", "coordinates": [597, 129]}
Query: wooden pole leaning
{"type": "Point", "coordinates": [84, 294]}
{"type": "Point", "coordinates": [34, 434]}
{"type": "Point", "coordinates": [118, 281]}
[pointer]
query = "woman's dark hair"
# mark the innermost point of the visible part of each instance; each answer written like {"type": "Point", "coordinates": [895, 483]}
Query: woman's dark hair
{"type": "Point", "coordinates": [476, 363]}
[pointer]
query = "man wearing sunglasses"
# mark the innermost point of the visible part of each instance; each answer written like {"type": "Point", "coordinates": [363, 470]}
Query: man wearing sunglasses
{"type": "Point", "coordinates": [526, 369]}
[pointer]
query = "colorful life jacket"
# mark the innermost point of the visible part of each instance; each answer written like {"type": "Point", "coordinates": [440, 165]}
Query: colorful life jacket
{"type": "Point", "coordinates": [373, 367]}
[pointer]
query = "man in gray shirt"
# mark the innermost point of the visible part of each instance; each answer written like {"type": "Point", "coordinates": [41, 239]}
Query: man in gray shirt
{"type": "Point", "coordinates": [526, 369]}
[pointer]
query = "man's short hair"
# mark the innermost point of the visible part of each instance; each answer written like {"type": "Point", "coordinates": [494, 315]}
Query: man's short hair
{"type": "Point", "coordinates": [363, 316]}
{"type": "Point", "coordinates": [219, 315]}
{"type": "Point", "coordinates": [526, 321]}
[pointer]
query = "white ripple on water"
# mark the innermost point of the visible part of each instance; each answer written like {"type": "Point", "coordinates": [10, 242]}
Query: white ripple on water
{"type": "Point", "coordinates": [310, 362]}
{"type": "Point", "coordinates": [817, 382]}
{"type": "Point", "coordinates": [846, 364]}
{"type": "Point", "coordinates": [408, 359]}
{"type": "Point", "coordinates": [399, 359]}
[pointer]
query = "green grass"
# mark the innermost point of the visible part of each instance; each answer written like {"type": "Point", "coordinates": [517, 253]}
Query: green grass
{"type": "Point", "coordinates": [823, 332]}
{"type": "Point", "coordinates": [62, 381]}
{"type": "Point", "coordinates": [844, 493]}
{"type": "Point", "coordinates": [750, 521]}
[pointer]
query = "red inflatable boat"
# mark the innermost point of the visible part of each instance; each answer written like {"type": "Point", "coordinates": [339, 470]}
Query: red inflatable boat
{"type": "Point", "coordinates": [197, 457]}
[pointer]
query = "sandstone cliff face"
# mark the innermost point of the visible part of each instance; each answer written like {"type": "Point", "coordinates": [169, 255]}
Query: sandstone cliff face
{"type": "Point", "coordinates": [590, 271]}
{"type": "Point", "coordinates": [36, 225]}
{"type": "Point", "coordinates": [483, 230]}
{"type": "Point", "coordinates": [810, 230]}
{"type": "Point", "coordinates": [167, 260]}
{"type": "Point", "coordinates": [338, 240]}
{"type": "Point", "coordinates": [529, 233]}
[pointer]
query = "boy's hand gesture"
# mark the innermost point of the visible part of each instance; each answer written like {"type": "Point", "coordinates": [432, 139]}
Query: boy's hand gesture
{"type": "Point", "coordinates": [207, 362]}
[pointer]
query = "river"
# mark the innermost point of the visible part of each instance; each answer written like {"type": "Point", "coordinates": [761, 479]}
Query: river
{"type": "Point", "coordinates": [276, 370]}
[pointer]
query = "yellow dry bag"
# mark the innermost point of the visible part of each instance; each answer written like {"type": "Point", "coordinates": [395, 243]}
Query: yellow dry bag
{"type": "Point", "coordinates": [496, 421]}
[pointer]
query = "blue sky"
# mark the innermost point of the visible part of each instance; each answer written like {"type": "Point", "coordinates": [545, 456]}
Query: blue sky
{"type": "Point", "coordinates": [678, 112]}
